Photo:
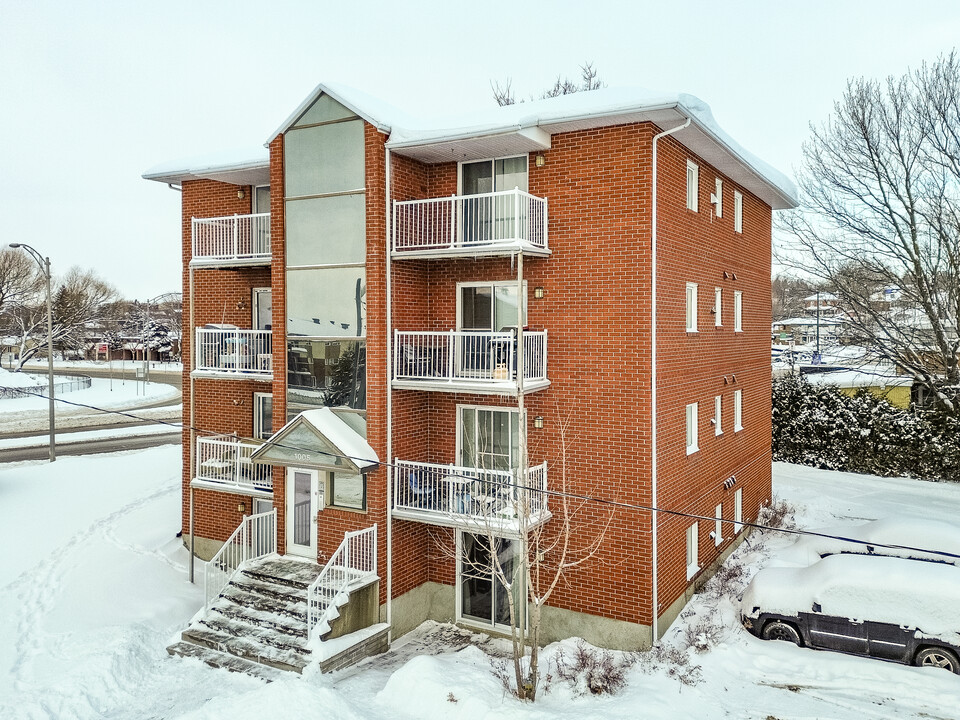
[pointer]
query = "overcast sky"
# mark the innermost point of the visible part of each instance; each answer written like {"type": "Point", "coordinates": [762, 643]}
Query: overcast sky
{"type": "Point", "coordinates": [95, 92]}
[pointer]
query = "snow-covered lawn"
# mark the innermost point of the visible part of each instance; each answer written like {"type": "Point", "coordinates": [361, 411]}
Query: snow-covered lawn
{"type": "Point", "coordinates": [28, 414]}
{"type": "Point", "coordinates": [93, 586]}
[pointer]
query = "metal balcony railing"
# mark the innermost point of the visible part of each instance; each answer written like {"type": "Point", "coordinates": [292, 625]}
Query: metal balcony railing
{"type": "Point", "coordinates": [225, 460]}
{"type": "Point", "coordinates": [470, 223]}
{"type": "Point", "coordinates": [231, 238]}
{"type": "Point", "coordinates": [468, 356]}
{"type": "Point", "coordinates": [234, 351]}
{"type": "Point", "coordinates": [455, 495]}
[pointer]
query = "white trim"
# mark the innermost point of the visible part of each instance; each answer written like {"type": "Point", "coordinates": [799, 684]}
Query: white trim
{"type": "Point", "coordinates": [257, 401]}
{"type": "Point", "coordinates": [717, 198]}
{"type": "Point", "coordinates": [493, 285]}
{"type": "Point", "coordinates": [737, 311]}
{"type": "Point", "coordinates": [738, 510]}
{"type": "Point", "coordinates": [691, 422]}
{"type": "Point", "coordinates": [692, 556]}
{"type": "Point", "coordinates": [718, 525]}
{"type": "Point", "coordinates": [737, 410]}
{"type": "Point", "coordinates": [458, 610]}
{"type": "Point", "coordinates": [691, 307]}
{"type": "Point", "coordinates": [511, 410]}
{"type": "Point", "coordinates": [718, 415]}
{"type": "Point", "coordinates": [718, 307]}
{"type": "Point", "coordinates": [461, 163]}
{"type": "Point", "coordinates": [737, 211]}
{"type": "Point", "coordinates": [693, 186]}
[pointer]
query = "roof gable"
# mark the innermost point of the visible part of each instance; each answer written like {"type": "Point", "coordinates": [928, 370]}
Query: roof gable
{"type": "Point", "coordinates": [320, 439]}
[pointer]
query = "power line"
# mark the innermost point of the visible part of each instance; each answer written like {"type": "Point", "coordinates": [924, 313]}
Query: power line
{"type": "Point", "coordinates": [546, 492]}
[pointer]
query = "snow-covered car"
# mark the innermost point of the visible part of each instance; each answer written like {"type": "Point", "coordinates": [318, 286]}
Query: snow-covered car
{"type": "Point", "coordinates": [884, 607]}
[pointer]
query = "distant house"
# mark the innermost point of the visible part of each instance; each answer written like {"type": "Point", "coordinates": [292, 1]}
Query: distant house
{"type": "Point", "coordinates": [895, 389]}
{"type": "Point", "coordinates": [828, 304]}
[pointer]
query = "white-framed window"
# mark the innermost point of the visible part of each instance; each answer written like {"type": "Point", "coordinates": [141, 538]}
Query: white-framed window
{"type": "Point", "coordinates": [345, 490]}
{"type": "Point", "coordinates": [738, 510]}
{"type": "Point", "coordinates": [489, 305]}
{"type": "Point", "coordinates": [718, 525]}
{"type": "Point", "coordinates": [692, 444]}
{"type": "Point", "coordinates": [737, 311]}
{"type": "Point", "coordinates": [691, 307]}
{"type": "Point", "coordinates": [262, 415]}
{"type": "Point", "coordinates": [693, 185]}
{"type": "Point", "coordinates": [737, 211]}
{"type": "Point", "coordinates": [693, 554]}
{"type": "Point", "coordinates": [737, 410]}
{"type": "Point", "coordinates": [718, 415]}
{"type": "Point", "coordinates": [718, 307]}
{"type": "Point", "coordinates": [717, 198]}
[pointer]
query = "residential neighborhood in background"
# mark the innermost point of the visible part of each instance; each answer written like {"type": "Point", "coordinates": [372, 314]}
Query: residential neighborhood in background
{"type": "Point", "coordinates": [407, 341]}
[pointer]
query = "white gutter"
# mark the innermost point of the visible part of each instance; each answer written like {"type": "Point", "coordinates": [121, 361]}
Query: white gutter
{"type": "Point", "coordinates": [193, 432]}
{"type": "Point", "coordinates": [653, 381]}
{"type": "Point", "coordinates": [389, 326]}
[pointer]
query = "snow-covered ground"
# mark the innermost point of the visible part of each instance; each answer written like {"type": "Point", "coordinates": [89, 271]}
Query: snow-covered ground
{"type": "Point", "coordinates": [93, 586]}
{"type": "Point", "coordinates": [26, 414]}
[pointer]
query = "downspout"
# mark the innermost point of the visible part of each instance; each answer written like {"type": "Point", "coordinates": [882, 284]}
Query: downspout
{"type": "Point", "coordinates": [389, 326]}
{"type": "Point", "coordinates": [193, 432]}
{"type": "Point", "coordinates": [653, 382]}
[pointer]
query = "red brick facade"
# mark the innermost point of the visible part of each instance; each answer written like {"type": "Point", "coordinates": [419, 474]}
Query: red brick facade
{"type": "Point", "coordinates": [597, 312]}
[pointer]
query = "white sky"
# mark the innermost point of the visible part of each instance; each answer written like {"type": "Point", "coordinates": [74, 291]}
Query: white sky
{"type": "Point", "coordinates": [94, 93]}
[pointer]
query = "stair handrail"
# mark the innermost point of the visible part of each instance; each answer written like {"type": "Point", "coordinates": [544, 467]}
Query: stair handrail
{"type": "Point", "coordinates": [355, 559]}
{"type": "Point", "coordinates": [255, 537]}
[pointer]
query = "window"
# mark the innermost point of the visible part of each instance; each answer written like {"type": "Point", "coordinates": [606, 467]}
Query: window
{"type": "Point", "coordinates": [737, 410]}
{"type": "Point", "coordinates": [718, 415]}
{"type": "Point", "coordinates": [717, 198]}
{"type": "Point", "coordinates": [262, 415]}
{"type": "Point", "coordinates": [489, 305]}
{"type": "Point", "coordinates": [483, 598]}
{"type": "Point", "coordinates": [485, 219]}
{"type": "Point", "coordinates": [692, 445]}
{"type": "Point", "coordinates": [717, 304]}
{"type": "Point", "coordinates": [718, 525]}
{"type": "Point", "coordinates": [489, 438]}
{"type": "Point", "coordinates": [691, 307]}
{"type": "Point", "coordinates": [692, 550]}
{"type": "Point", "coordinates": [738, 510]}
{"type": "Point", "coordinates": [693, 185]}
{"type": "Point", "coordinates": [346, 491]}
{"type": "Point", "coordinates": [737, 311]}
{"type": "Point", "coordinates": [737, 212]}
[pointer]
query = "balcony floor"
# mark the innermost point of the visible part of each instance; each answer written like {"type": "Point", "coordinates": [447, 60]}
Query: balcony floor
{"type": "Point", "coordinates": [505, 525]}
{"type": "Point", "coordinates": [475, 387]}
{"type": "Point", "coordinates": [469, 251]}
{"type": "Point", "coordinates": [233, 375]}
{"type": "Point", "coordinates": [210, 262]}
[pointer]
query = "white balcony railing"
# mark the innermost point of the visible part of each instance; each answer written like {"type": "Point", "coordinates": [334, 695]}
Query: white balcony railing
{"type": "Point", "coordinates": [468, 356]}
{"type": "Point", "coordinates": [470, 223]}
{"type": "Point", "coordinates": [225, 460]}
{"type": "Point", "coordinates": [234, 351]}
{"type": "Point", "coordinates": [232, 238]}
{"type": "Point", "coordinates": [255, 537]}
{"type": "Point", "coordinates": [353, 562]}
{"type": "Point", "coordinates": [455, 495]}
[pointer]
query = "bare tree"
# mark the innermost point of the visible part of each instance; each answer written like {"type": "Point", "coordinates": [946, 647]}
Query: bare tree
{"type": "Point", "coordinates": [788, 294]}
{"type": "Point", "coordinates": [503, 94]}
{"type": "Point", "coordinates": [546, 552]}
{"type": "Point", "coordinates": [20, 279]}
{"type": "Point", "coordinates": [880, 219]}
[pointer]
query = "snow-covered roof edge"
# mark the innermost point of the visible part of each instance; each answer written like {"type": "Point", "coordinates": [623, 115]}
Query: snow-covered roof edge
{"type": "Point", "coordinates": [230, 161]}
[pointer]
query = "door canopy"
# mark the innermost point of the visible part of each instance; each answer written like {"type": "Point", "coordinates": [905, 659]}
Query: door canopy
{"type": "Point", "coordinates": [318, 439]}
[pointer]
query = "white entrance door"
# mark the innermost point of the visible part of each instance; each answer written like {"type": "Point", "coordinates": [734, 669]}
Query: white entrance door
{"type": "Point", "coordinates": [303, 503]}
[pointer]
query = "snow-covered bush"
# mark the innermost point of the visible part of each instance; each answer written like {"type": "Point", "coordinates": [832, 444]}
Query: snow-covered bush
{"type": "Point", "coordinates": [820, 426]}
{"type": "Point", "coordinates": [593, 670]}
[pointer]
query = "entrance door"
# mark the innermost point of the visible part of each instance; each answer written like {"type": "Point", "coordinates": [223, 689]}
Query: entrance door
{"type": "Point", "coordinates": [303, 503]}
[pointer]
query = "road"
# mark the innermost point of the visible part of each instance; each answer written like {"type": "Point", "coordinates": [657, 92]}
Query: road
{"type": "Point", "coordinates": [90, 447]}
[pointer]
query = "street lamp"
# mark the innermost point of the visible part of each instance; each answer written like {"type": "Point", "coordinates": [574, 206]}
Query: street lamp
{"type": "Point", "coordinates": [45, 266]}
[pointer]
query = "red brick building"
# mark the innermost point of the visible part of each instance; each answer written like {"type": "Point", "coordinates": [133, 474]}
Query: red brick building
{"type": "Point", "coordinates": [454, 295]}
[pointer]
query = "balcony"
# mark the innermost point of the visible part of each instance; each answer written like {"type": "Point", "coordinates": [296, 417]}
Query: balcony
{"type": "Point", "coordinates": [223, 463]}
{"type": "Point", "coordinates": [469, 361]}
{"type": "Point", "coordinates": [472, 498]}
{"type": "Point", "coordinates": [231, 240]}
{"type": "Point", "coordinates": [227, 351]}
{"type": "Point", "coordinates": [499, 223]}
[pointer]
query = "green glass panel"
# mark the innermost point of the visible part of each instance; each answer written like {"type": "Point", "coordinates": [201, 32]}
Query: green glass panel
{"type": "Point", "coordinates": [327, 302]}
{"type": "Point", "coordinates": [323, 110]}
{"type": "Point", "coordinates": [326, 231]}
{"type": "Point", "coordinates": [324, 159]}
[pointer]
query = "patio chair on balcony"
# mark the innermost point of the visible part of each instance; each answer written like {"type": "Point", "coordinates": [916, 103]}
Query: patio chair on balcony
{"type": "Point", "coordinates": [417, 361]}
{"type": "Point", "coordinates": [422, 491]}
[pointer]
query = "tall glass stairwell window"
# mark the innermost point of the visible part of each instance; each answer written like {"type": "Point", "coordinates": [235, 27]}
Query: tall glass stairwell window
{"type": "Point", "coordinates": [492, 217]}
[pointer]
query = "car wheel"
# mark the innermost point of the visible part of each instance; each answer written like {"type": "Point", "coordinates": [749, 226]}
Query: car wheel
{"type": "Point", "coordinates": [938, 658]}
{"type": "Point", "coordinates": [777, 630]}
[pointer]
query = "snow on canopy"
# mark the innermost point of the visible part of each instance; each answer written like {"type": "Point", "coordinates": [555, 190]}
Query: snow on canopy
{"type": "Point", "coordinates": [914, 594]}
{"type": "Point", "coordinates": [907, 531]}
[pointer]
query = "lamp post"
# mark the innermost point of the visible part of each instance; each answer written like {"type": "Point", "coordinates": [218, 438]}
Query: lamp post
{"type": "Point", "coordinates": [44, 264]}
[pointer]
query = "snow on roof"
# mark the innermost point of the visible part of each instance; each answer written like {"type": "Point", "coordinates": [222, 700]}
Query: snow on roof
{"type": "Point", "coordinates": [906, 531]}
{"type": "Point", "coordinates": [914, 594]}
{"type": "Point", "coordinates": [864, 377]}
{"type": "Point", "coordinates": [234, 164]}
{"type": "Point", "coordinates": [534, 121]}
{"type": "Point", "coordinates": [345, 438]}
{"type": "Point", "coordinates": [821, 297]}
{"type": "Point", "coordinates": [804, 321]}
